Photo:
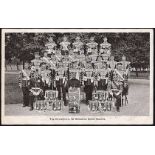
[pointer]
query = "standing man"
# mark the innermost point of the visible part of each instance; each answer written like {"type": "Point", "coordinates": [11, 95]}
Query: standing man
{"type": "Point", "coordinates": [47, 60]}
{"type": "Point", "coordinates": [61, 81]}
{"type": "Point", "coordinates": [115, 86]}
{"type": "Point", "coordinates": [36, 61]}
{"type": "Point", "coordinates": [88, 79]}
{"type": "Point", "coordinates": [51, 47]}
{"type": "Point", "coordinates": [92, 47]}
{"type": "Point", "coordinates": [36, 88]}
{"type": "Point", "coordinates": [102, 76]}
{"type": "Point", "coordinates": [125, 66]}
{"type": "Point", "coordinates": [45, 76]}
{"type": "Point", "coordinates": [78, 47]}
{"type": "Point", "coordinates": [65, 46]}
{"type": "Point", "coordinates": [112, 63]}
{"type": "Point", "coordinates": [105, 47]}
{"type": "Point", "coordinates": [24, 83]}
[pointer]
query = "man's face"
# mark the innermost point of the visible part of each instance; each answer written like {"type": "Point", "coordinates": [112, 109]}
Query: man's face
{"type": "Point", "coordinates": [124, 58]}
{"type": "Point", "coordinates": [50, 39]}
{"type": "Point", "coordinates": [45, 54]}
{"type": "Point", "coordinates": [119, 67]}
{"type": "Point", "coordinates": [36, 56]}
{"type": "Point", "coordinates": [105, 39]}
{"type": "Point", "coordinates": [92, 39]}
{"type": "Point", "coordinates": [64, 38]}
{"type": "Point", "coordinates": [26, 66]}
{"type": "Point", "coordinates": [112, 58]}
{"type": "Point", "coordinates": [77, 39]}
{"type": "Point", "coordinates": [43, 67]}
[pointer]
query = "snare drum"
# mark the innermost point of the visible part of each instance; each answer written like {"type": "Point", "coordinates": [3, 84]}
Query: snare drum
{"type": "Point", "coordinates": [57, 105]}
{"type": "Point", "coordinates": [93, 105]}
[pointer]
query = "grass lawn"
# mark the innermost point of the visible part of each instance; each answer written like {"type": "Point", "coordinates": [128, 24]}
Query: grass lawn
{"type": "Point", "coordinates": [138, 100]}
{"type": "Point", "coordinates": [13, 94]}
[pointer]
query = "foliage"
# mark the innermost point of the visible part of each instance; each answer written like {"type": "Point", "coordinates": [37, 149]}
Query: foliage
{"type": "Point", "coordinates": [136, 46]}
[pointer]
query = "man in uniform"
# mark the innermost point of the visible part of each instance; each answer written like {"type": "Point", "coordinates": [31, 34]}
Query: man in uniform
{"type": "Point", "coordinates": [45, 76]}
{"type": "Point", "coordinates": [65, 46]}
{"type": "Point", "coordinates": [46, 59]}
{"type": "Point", "coordinates": [105, 47]}
{"type": "Point", "coordinates": [61, 81]}
{"type": "Point", "coordinates": [115, 87]}
{"type": "Point", "coordinates": [78, 47]}
{"type": "Point", "coordinates": [102, 76]}
{"type": "Point", "coordinates": [88, 79]}
{"type": "Point", "coordinates": [24, 83]}
{"type": "Point", "coordinates": [51, 47]}
{"type": "Point", "coordinates": [36, 88]}
{"type": "Point", "coordinates": [112, 63]}
{"type": "Point", "coordinates": [125, 66]}
{"type": "Point", "coordinates": [92, 47]}
{"type": "Point", "coordinates": [36, 61]}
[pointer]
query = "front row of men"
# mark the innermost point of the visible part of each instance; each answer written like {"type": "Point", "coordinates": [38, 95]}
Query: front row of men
{"type": "Point", "coordinates": [36, 80]}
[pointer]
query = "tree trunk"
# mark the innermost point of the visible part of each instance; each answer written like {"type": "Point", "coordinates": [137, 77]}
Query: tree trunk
{"type": "Point", "coordinates": [23, 64]}
{"type": "Point", "coordinates": [17, 66]}
{"type": "Point", "coordinates": [136, 72]}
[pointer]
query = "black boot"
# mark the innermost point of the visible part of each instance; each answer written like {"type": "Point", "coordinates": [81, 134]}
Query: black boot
{"type": "Point", "coordinates": [118, 109]}
{"type": "Point", "coordinates": [31, 108]}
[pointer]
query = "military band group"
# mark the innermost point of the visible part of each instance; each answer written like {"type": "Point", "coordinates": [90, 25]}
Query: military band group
{"type": "Point", "coordinates": [71, 73]}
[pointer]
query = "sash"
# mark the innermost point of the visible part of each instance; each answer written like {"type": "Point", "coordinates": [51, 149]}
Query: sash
{"type": "Point", "coordinates": [57, 57]}
{"type": "Point", "coordinates": [25, 74]}
{"type": "Point", "coordinates": [71, 58]}
{"type": "Point", "coordinates": [119, 75]}
{"type": "Point", "coordinates": [49, 61]}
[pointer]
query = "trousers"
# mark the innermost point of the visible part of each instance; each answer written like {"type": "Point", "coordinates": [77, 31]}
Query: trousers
{"type": "Point", "coordinates": [25, 91]}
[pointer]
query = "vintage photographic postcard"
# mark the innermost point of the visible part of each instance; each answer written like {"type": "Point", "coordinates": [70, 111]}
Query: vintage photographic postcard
{"type": "Point", "coordinates": [77, 76]}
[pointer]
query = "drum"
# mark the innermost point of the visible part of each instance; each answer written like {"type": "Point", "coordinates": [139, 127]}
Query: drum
{"type": "Point", "coordinates": [57, 105]}
{"type": "Point", "coordinates": [98, 95]}
{"type": "Point", "coordinates": [105, 106]}
{"type": "Point", "coordinates": [40, 105]}
{"type": "Point", "coordinates": [74, 100]}
{"type": "Point", "coordinates": [51, 94]}
{"type": "Point", "coordinates": [93, 105]}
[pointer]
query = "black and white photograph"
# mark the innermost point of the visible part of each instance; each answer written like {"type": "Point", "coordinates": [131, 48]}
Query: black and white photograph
{"type": "Point", "coordinates": [77, 76]}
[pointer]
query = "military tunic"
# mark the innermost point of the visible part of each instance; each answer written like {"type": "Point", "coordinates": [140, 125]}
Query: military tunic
{"type": "Point", "coordinates": [51, 47]}
{"type": "Point", "coordinates": [92, 48]}
{"type": "Point", "coordinates": [36, 63]}
{"type": "Point", "coordinates": [78, 48]}
{"type": "Point", "coordinates": [65, 47]}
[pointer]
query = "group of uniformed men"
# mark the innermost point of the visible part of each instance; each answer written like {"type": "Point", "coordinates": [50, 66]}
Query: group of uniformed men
{"type": "Point", "coordinates": [87, 66]}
